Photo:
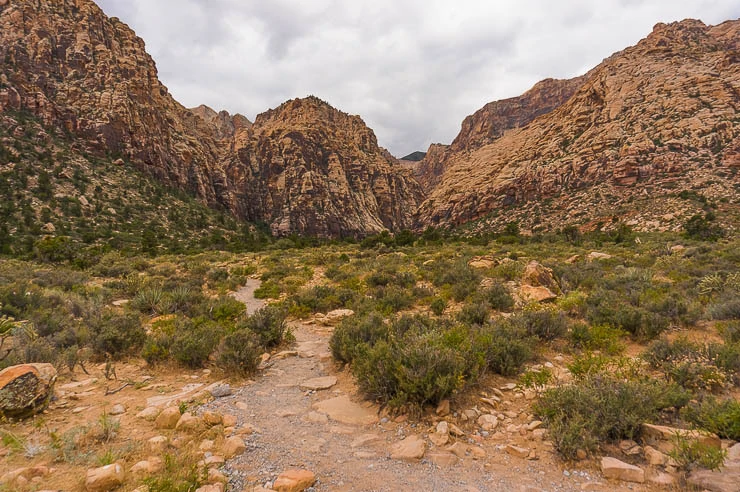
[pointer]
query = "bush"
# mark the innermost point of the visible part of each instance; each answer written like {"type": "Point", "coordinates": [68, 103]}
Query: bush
{"type": "Point", "coordinates": [603, 408]}
{"type": "Point", "coordinates": [438, 306]}
{"type": "Point", "coordinates": [268, 290]}
{"type": "Point", "coordinates": [355, 331]}
{"type": "Point", "coordinates": [691, 365]}
{"type": "Point", "coordinates": [498, 297]}
{"type": "Point", "coordinates": [545, 324]}
{"type": "Point", "coordinates": [599, 337]}
{"type": "Point", "coordinates": [117, 334]}
{"type": "Point", "coordinates": [148, 300]}
{"type": "Point", "coordinates": [689, 453]}
{"type": "Point", "coordinates": [239, 352]}
{"type": "Point", "coordinates": [703, 228]}
{"type": "Point", "coordinates": [727, 307]}
{"type": "Point", "coordinates": [504, 347]}
{"type": "Point", "coordinates": [268, 324]}
{"type": "Point", "coordinates": [194, 341]}
{"type": "Point", "coordinates": [721, 417]}
{"type": "Point", "coordinates": [475, 313]}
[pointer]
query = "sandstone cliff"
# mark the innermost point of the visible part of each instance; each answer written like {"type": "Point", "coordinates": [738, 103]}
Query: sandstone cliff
{"type": "Point", "coordinates": [315, 170]}
{"type": "Point", "coordinates": [78, 70]}
{"type": "Point", "coordinates": [656, 117]}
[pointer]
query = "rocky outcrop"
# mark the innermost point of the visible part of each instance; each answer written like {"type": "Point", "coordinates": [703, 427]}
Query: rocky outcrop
{"type": "Point", "coordinates": [312, 169]}
{"type": "Point", "coordinates": [26, 389]}
{"type": "Point", "coordinates": [659, 116]}
{"type": "Point", "coordinates": [303, 168]}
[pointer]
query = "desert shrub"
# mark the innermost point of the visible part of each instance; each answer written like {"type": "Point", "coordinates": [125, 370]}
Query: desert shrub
{"type": "Point", "coordinates": [268, 324]}
{"type": "Point", "coordinates": [730, 331]}
{"type": "Point", "coordinates": [322, 299]}
{"type": "Point", "coordinates": [703, 227]}
{"type": "Point", "coordinates": [505, 348]}
{"type": "Point", "coordinates": [498, 297]}
{"type": "Point", "coordinates": [689, 453]}
{"type": "Point", "coordinates": [474, 313]}
{"type": "Point", "coordinates": [148, 300]}
{"type": "Point", "coordinates": [216, 275]}
{"type": "Point", "coordinates": [545, 324]}
{"type": "Point", "coordinates": [461, 280]}
{"type": "Point", "coordinates": [268, 290]}
{"type": "Point", "coordinates": [603, 408]}
{"type": "Point", "coordinates": [194, 341]}
{"type": "Point", "coordinates": [392, 299]}
{"type": "Point", "coordinates": [226, 308]}
{"type": "Point", "coordinates": [573, 303]}
{"type": "Point", "coordinates": [726, 307]}
{"type": "Point", "coordinates": [598, 337]}
{"type": "Point", "coordinates": [438, 306]}
{"type": "Point", "coordinates": [686, 363]}
{"type": "Point", "coordinates": [116, 334]}
{"type": "Point", "coordinates": [604, 308]}
{"type": "Point", "coordinates": [239, 352]}
{"type": "Point", "coordinates": [726, 356]}
{"type": "Point", "coordinates": [721, 417]}
{"type": "Point", "coordinates": [355, 331]}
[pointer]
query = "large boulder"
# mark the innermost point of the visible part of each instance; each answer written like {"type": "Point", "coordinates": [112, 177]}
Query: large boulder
{"type": "Point", "coordinates": [537, 275]}
{"type": "Point", "coordinates": [26, 389]}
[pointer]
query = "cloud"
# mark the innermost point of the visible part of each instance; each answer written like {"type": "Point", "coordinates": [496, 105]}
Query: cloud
{"type": "Point", "coordinates": [413, 69]}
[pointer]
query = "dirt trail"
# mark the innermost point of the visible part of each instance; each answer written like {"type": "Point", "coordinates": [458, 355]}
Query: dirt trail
{"type": "Point", "coordinates": [291, 433]}
{"type": "Point", "coordinates": [246, 295]}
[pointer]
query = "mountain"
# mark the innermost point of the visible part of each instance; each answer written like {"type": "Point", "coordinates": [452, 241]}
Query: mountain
{"type": "Point", "coordinates": [312, 169]}
{"type": "Point", "coordinates": [619, 143]}
{"type": "Point", "coordinates": [414, 156]}
{"type": "Point", "coordinates": [74, 68]}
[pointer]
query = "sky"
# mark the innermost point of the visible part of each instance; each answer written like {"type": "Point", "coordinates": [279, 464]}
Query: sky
{"type": "Point", "coordinates": [413, 69]}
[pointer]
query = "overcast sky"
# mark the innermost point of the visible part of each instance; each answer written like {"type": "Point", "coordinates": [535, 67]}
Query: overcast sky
{"type": "Point", "coordinates": [413, 69]}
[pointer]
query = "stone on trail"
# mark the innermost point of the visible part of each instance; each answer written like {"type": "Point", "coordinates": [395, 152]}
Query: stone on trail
{"type": "Point", "coordinates": [104, 478]}
{"type": "Point", "coordinates": [317, 384]}
{"type": "Point", "coordinates": [410, 449]}
{"type": "Point", "coordinates": [233, 446]}
{"type": "Point", "coordinates": [517, 451]}
{"type": "Point", "coordinates": [344, 410]}
{"type": "Point", "coordinates": [149, 414]}
{"type": "Point", "coordinates": [294, 481]}
{"type": "Point", "coordinates": [26, 389]}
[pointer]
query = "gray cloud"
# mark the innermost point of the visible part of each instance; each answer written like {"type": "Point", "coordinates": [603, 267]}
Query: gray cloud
{"type": "Point", "coordinates": [413, 69]}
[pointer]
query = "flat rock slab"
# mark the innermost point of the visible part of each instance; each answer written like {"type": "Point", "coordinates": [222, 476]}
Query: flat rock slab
{"type": "Point", "coordinates": [187, 391]}
{"type": "Point", "coordinates": [317, 384]}
{"type": "Point", "coordinates": [344, 410]}
{"type": "Point", "coordinates": [619, 470]}
{"type": "Point", "coordinates": [719, 481]}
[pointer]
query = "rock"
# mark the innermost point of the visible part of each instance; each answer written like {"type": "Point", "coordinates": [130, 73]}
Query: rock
{"type": "Point", "coordinates": [456, 431]}
{"type": "Point", "coordinates": [595, 255]}
{"type": "Point", "coordinates": [168, 418]}
{"type": "Point", "coordinates": [316, 418]}
{"type": "Point", "coordinates": [630, 447]}
{"type": "Point", "coordinates": [212, 418]}
{"type": "Point", "coordinates": [317, 384]}
{"type": "Point", "coordinates": [26, 389]}
{"type": "Point", "coordinates": [206, 445]}
{"type": "Point", "coordinates": [228, 420]}
{"type": "Point", "coordinates": [219, 390]}
{"type": "Point", "coordinates": [517, 451]}
{"type": "Point", "coordinates": [535, 424]}
{"type": "Point", "coordinates": [619, 470]}
{"type": "Point", "coordinates": [442, 458]}
{"type": "Point", "coordinates": [157, 444]}
{"type": "Point", "coordinates": [117, 409]}
{"type": "Point", "coordinates": [233, 446]}
{"type": "Point", "coordinates": [654, 457]}
{"type": "Point", "coordinates": [531, 293]}
{"type": "Point", "coordinates": [215, 460]}
{"type": "Point", "coordinates": [294, 481]}
{"type": "Point", "coordinates": [481, 263]}
{"type": "Point", "coordinates": [477, 452]}
{"type": "Point", "coordinates": [104, 478]}
{"type": "Point", "coordinates": [443, 409]}
{"type": "Point", "coordinates": [441, 435]}
{"type": "Point", "coordinates": [715, 481]}
{"type": "Point", "coordinates": [537, 275]}
{"type": "Point", "coordinates": [333, 318]}
{"type": "Point", "coordinates": [20, 477]}
{"type": "Point", "coordinates": [344, 410]}
{"type": "Point", "coordinates": [487, 422]}
{"type": "Point", "coordinates": [215, 475]}
{"type": "Point", "coordinates": [411, 448]}
{"type": "Point", "coordinates": [146, 468]}
{"type": "Point", "coordinates": [189, 423]}
{"type": "Point", "coordinates": [364, 439]}
{"type": "Point", "coordinates": [662, 478]}
{"type": "Point", "coordinates": [150, 414]}
{"type": "Point", "coordinates": [662, 437]}
{"type": "Point", "coordinates": [458, 449]}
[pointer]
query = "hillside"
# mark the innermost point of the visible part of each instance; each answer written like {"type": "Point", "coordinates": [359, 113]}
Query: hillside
{"type": "Point", "coordinates": [76, 69]}
{"type": "Point", "coordinates": [650, 122]}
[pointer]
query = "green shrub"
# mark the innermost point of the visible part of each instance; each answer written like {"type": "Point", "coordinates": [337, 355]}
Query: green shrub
{"type": "Point", "coordinates": [721, 417]}
{"type": "Point", "coordinates": [504, 347]}
{"type": "Point", "coordinates": [599, 337]}
{"type": "Point", "coordinates": [355, 331]}
{"type": "Point", "coordinates": [239, 352]}
{"type": "Point", "coordinates": [476, 313]}
{"type": "Point", "coordinates": [498, 297]}
{"type": "Point", "coordinates": [603, 408]}
{"type": "Point", "coordinates": [268, 290]}
{"type": "Point", "coordinates": [226, 308]}
{"type": "Point", "coordinates": [269, 325]}
{"type": "Point", "coordinates": [194, 341]}
{"type": "Point", "coordinates": [438, 306]}
{"type": "Point", "coordinates": [117, 334]}
{"type": "Point", "coordinates": [725, 308]}
{"type": "Point", "coordinates": [689, 453]}
{"type": "Point", "coordinates": [730, 331]}
{"type": "Point", "coordinates": [545, 324]}
{"type": "Point", "coordinates": [148, 300]}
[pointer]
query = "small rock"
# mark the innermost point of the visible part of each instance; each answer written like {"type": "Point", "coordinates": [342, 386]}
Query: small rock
{"type": "Point", "coordinates": [411, 448]}
{"type": "Point", "coordinates": [536, 424]}
{"type": "Point", "coordinates": [211, 487]}
{"type": "Point", "coordinates": [488, 422]}
{"type": "Point", "coordinates": [294, 481]}
{"type": "Point", "coordinates": [456, 431]}
{"type": "Point", "coordinates": [104, 478]}
{"type": "Point", "coordinates": [150, 414]}
{"type": "Point", "coordinates": [233, 446]}
{"type": "Point", "coordinates": [458, 449]}
{"type": "Point", "coordinates": [619, 470]}
{"type": "Point", "coordinates": [517, 451]}
{"type": "Point", "coordinates": [206, 445]}
{"type": "Point", "coordinates": [215, 476]}
{"type": "Point", "coordinates": [655, 457]}
{"type": "Point", "coordinates": [157, 444]}
{"type": "Point", "coordinates": [364, 439]}
{"type": "Point", "coordinates": [168, 418]}
{"type": "Point", "coordinates": [228, 420]}
{"type": "Point", "coordinates": [117, 409]}
{"type": "Point", "coordinates": [442, 458]}
{"type": "Point", "coordinates": [212, 418]}
{"type": "Point", "coordinates": [189, 423]}
{"type": "Point", "coordinates": [220, 390]}
{"type": "Point", "coordinates": [443, 409]}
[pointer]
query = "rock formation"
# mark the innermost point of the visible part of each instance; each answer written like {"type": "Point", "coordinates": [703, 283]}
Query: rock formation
{"type": "Point", "coordinates": [659, 116]}
{"type": "Point", "coordinates": [76, 69]}
{"type": "Point", "coordinates": [26, 389]}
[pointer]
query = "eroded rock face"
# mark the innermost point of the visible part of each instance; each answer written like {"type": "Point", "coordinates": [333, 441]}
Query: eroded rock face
{"type": "Point", "coordinates": [311, 169]}
{"type": "Point", "coordinates": [26, 389]}
{"type": "Point", "coordinates": [650, 120]}
{"type": "Point", "coordinates": [303, 167]}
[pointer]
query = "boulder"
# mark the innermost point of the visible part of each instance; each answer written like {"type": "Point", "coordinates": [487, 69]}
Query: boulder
{"type": "Point", "coordinates": [168, 418]}
{"type": "Point", "coordinates": [531, 293]}
{"type": "Point", "coordinates": [150, 414]}
{"type": "Point", "coordinates": [233, 446]}
{"type": "Point", "coordinates": [104, 478]}
{"type": "Point", "coordinates": [26, 389]}
{"type": "Point", "coordinates": [663, 437]}
{"type": "Point", "coordinates": [537, 275]}
{"type": "Point", "coordinates": [294, 481]}
{"type": "Point", "coordinates": [619, 470]}
{"type": "Point", "coordinates": [517, 451]}
{"type": "Point", "coordinates": [189, 423]}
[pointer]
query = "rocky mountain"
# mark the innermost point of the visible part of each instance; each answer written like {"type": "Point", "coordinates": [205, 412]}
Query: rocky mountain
{"type": "Point", "coordinates": [648, 122]}
{"type": "Point", "coordinates": [70, 65]}
{"type": "Point", "coordinates": [315, 170]}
